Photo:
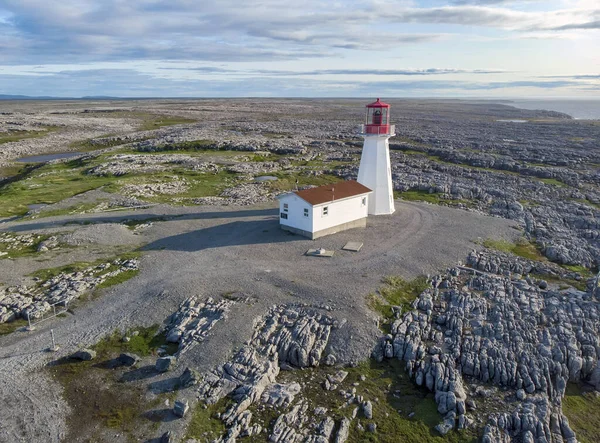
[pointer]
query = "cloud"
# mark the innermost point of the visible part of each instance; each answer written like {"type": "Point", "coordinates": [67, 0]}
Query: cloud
{"type": "Point", "coordinates": [343, 72]}
{"type": "Point", "coordinates": [229, 30]}
{"type": "Point", "coordinates": [586, 25]}
{"type": "Point", "coordinates": [130, 83]}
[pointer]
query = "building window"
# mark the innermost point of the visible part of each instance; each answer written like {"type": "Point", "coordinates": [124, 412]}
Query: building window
{"type": "Point", "coordinates": [325, 210]}
{"type": "Point", "coordinates": [364, 201]}
{"type": "Point", "coordinates": [306, 212]}
{"type": "Point", "coordinates": [283, 215]}
{"type": "Point", "coordinates": [285, 207]}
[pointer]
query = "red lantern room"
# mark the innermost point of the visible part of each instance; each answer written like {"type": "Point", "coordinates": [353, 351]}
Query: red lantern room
{"type": "Point", "coordinates": [378, 118]}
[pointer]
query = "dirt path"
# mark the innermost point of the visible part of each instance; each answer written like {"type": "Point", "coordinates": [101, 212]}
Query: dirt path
{"type": "Point", "coordinates": [212, 251]}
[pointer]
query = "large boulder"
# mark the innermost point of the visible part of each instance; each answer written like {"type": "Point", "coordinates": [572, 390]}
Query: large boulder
{"type": "Point", "coordinates": [164, 364]}
{"type": "Point", "coordinates": [190, 377]}
{"type": "Point", "coordinates": [128, 359]}
{"type": "Point", "coordinates": [181, 408]}
{"type": "Point", "coordinates": [84, 354]}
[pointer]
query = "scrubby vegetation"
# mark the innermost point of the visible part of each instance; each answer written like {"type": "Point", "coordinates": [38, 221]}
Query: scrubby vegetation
{"type": "Point", "coordinates": [522, 248]}
{"type": "Point", "coordinates": [396, 292]}
{"type": "Point", "coordinates": [582, 409]}
{"type": "Point", "coordinates": [99, 391]}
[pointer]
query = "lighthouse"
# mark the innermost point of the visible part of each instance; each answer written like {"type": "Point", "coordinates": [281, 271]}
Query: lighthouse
{"type": "Point", "coordinates": [375, 171]}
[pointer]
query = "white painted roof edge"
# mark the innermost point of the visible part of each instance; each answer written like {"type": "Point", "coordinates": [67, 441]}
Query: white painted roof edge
{"type": "Point", "coordinates": [280, 196]}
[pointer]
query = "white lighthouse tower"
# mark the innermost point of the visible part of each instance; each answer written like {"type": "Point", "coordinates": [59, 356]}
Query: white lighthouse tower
{"type": "Point", "coordinates": [375, 171]}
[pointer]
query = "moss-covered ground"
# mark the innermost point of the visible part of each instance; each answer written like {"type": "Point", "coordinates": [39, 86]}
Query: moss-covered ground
{"type": "Point", "coordinates": [581, 405]}
{"type": "Point", "coordinates": [395, 291]}
{"type": "Point", "coordinates": [16, 249]}
{"type": "Point", "coordinates": [106, 398]}
{"type": "Point", "coordinates": [522, 248]}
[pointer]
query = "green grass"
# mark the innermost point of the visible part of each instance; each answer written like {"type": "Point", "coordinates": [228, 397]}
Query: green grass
{"type": "Point", "coordinates": [419, 196]}
{"type": "Point", "coordinates": [552, 181]}
{"type": "Point", "coordinates": [92, 144]}
{"type": "Point", "coordinates": [7, 328]}
{"type": "Point", "coordinates": [194, 145]}
{"type": "Point", "coordinates": [11, 171]}
{"type": "Point", "coordinates": [76, 209]}
{"type": "Point", "coordinates": [396, 291]}
{"type": "Point", "coordinates": [204, 425]}
{"type": "Point", "coordinates": [522, 248]}
{"type": "Point", "coordinates": [99, 396]}
{"type": "Point", "coordinates": [145, 343]}
{"type": "Point", "coordinates": [583, 411]}
{"type": "Point", "coordinates": [46, 274]}
{"type": "Point", "coordinates": [23, 250]}
{"type": "Point", "coordinates": [53, 183]}
{"type": "Point", "coordinates": [381, 382]}
{"type": "Point", "coordinates": [46, 185]}
{"type": "Point", "coordinates": [132, 224]}
{"type": "Point", "coordinates": [15, 136]}
{"type": "Point", "coordinates": [582, 270]}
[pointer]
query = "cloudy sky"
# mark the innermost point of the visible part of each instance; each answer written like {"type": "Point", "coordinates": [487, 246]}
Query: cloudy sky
{"type": "Point", "coordinates": [227, 48]}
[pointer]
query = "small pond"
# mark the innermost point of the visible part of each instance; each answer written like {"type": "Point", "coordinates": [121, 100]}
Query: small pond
{"type": "Point", "coordinates": [264, 178]}
{"type": "Point", "coordinates": [47, 157]}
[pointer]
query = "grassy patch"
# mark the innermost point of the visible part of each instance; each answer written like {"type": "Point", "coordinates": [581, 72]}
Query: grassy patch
{"type": "Point", "coordinates": [46, 274]}
{"type": "Point", "coordinates": [15, 245]}
{"type": "Point", "coordinates": [193, 145]}
{"type": "Point", "coordinates": [133, 224]}
{"type": "Point", "coordinates": [7, 328]}
{"type": "Point", "coordinates": [105, 141]}
{"type": "Point", "coordinates": [522, 248]}
{"type": "Point", "coordinates": [11, 171]}
{"type": "Point", "coordinates": [382, 382]}
{"type": "Point", "coordinates": [53, 183]}
{"type": "Point", "coordinates": [583, 411]}
{"type": "Point", "coordinates": [552, 181]}
{"type": "Point", "coordinates": [420, 196]}
{"type": "Point", "coordinates": [46, 185]}
{"type": "Point", "coordinates": [581, 270]}
{"type": "Point", "coordinates": [396, 291]}
{"type": "Point", "coordinates": [15, 136]}
{"type": "Point", "coordinates": [104, 397]}
{"type": "Point", "coordinates": [204, 425]}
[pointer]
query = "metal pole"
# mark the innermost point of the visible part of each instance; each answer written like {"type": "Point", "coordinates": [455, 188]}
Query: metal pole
{"type": "Point", "coordinates": [30, 327]}
{"type": "Point", "coordinates": [54, 348]}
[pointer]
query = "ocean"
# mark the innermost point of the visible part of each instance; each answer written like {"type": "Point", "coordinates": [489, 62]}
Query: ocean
{"type": "Point", "coordinates": [585, 109]}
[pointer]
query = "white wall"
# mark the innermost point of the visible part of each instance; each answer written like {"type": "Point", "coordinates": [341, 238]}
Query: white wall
{"type": "Point", "coordinates": [340, 211]}
{"type": "Point", "coordinates": [376, 174]}
{"type": "Point", "coordinates": [295, 212]}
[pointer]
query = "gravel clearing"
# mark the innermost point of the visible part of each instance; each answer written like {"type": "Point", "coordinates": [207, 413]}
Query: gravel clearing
{"type": "Point", "coordinates": [212, 251]}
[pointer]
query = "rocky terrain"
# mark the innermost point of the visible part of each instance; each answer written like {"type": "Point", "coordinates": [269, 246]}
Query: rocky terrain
{"type": "Point", "coordinates": [251, 341]}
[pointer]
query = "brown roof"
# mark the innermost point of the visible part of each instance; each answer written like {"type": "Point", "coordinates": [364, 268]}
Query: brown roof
{"type": "Point", "coordinates": [335, 191]}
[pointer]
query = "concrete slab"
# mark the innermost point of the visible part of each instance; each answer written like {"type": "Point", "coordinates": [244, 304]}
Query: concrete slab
{"type": "Point", "coordinates": [319, 253]}
{"type": "Point", "coordinates": [353, 246]}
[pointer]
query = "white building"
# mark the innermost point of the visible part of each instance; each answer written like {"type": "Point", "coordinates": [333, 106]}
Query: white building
{"type": "Point", "coordinates": [375, 171]}
{"type": "Point", "coordinates": [325, 210]}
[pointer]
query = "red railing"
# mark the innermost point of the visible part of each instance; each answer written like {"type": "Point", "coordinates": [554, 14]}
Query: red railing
{"type": "Point", "coordinates": [377, 129]}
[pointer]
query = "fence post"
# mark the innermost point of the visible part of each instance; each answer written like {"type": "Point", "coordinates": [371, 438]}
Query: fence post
{"type": "Point", "coordinates": [30, 327]}
{"type": "Point", "coordinates": [54, 348]}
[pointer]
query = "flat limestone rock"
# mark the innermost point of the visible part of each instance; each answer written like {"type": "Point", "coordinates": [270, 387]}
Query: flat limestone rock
{"type": "Point", "coordinates": [319, 253]}
{"type": "Point", "coordinates": [353, 246]}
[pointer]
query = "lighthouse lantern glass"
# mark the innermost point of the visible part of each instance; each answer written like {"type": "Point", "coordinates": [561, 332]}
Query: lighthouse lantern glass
{"type": "Point", "coordinates": [377, 116]}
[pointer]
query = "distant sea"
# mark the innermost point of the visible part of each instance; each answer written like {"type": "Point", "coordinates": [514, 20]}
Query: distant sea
{"type": "Point", "coordinates": [586, 109]}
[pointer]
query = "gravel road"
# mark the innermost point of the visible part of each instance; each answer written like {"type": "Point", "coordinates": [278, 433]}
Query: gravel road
{"type": "Point", "coordinates": [212, 251]}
